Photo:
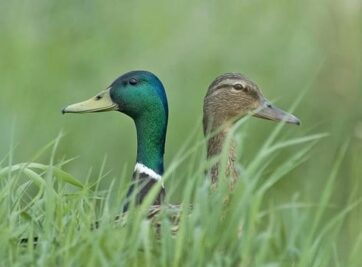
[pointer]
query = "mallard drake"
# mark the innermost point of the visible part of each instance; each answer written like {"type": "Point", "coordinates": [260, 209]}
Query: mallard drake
{"type": "Point", "coordinates": [230, 97]}
{"type": "Point", "coordinates": [141, 96]}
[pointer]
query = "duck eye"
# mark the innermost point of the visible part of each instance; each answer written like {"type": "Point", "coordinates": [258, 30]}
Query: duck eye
{"type": "Point", "coordinates": [239, 86]}
{"type": "Point", "coordinates": [133, 81]}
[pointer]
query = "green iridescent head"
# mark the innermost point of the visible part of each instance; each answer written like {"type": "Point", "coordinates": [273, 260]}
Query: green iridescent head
{"type": "Point", "coordinates": [140, 95]}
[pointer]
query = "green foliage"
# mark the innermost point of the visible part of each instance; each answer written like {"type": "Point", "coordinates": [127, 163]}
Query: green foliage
{"type": "Point", "coordinates": [220, 229]}
{"type": "Point", "coordinates": [298, 205]}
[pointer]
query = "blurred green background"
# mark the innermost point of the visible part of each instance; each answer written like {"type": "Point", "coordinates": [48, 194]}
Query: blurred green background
{"type": "Point", "coordinates": [53, 53]}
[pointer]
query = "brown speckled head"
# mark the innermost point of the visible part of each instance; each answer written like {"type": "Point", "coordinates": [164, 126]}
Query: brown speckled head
{"type": "Point", "coordinates": [231, 96]}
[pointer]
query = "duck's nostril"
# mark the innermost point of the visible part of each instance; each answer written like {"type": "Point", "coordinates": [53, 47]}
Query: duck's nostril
{"type": "Point", "coordinates": [269, 106]}
{"type": "Point", "coordinates": [98, 97]}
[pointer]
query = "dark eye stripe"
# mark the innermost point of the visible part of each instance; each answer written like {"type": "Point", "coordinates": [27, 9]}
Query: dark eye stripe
{"type": "Point", "coordinates": [222, 85]}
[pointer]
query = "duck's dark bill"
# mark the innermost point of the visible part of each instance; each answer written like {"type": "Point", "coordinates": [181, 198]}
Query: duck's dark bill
{"type": "Point", "coordinates": [269, 112]}
{"type": "Point", "coordinates": [101, 102]}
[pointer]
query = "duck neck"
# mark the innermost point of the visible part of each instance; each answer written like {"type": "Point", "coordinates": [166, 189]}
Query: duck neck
{"type": "Point", "coordinates": [215, 146]}
{"type": "Point", "coordinates": [151, 136]}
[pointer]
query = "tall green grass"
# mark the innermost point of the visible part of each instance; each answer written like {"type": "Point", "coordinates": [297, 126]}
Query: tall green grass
{"type": "Point", "coordinates": [249, 229]}
{"type": "Point", "coordinates": [294, 205]}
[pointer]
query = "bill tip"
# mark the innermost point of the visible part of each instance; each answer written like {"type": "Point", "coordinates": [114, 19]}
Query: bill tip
{"type": "Point", "coordinates": [296, 121]}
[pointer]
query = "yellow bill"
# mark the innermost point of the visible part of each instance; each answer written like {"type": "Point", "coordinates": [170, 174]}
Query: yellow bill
{"type": "Point", "coordinates": [99, 103]}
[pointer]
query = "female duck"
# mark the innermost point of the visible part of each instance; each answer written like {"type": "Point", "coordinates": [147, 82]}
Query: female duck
{"type": "Point", "coordinates": [230, 97]}
{"type": "Point", "coordinates": [141, 96]}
